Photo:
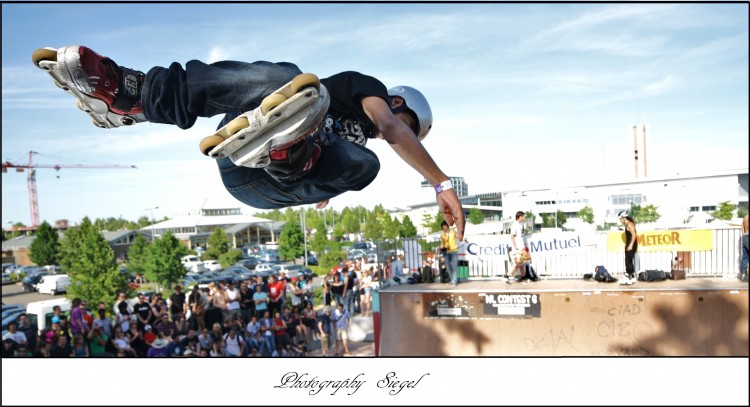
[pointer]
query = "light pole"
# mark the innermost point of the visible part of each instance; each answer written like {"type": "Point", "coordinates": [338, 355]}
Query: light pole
{"type": "Point", "coordinates": [152, 220]}
{"type": "Point", "coordinates": [13, 239]}
{"type": "Point", "coordinates": [304, 232]}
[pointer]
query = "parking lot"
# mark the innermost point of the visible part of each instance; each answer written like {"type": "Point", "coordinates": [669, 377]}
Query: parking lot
{"type": "Point", "coordinates": [13, 294]}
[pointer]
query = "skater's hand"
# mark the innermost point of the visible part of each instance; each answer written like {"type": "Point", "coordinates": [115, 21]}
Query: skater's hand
{"type": "Point", "coordinates": [453, 212]}
{"type": "Point", "coordinates": [321, 204]}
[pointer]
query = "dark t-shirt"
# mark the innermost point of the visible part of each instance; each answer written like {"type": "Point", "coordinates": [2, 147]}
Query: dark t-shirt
{"type": "Point", "coordinates": [345, 116]}
{"type": "Point", "coordinates": [142, 309]}
{"type": "Point", "coordinates": [61, 352]}
{"type": "Point", "coordinates": [177, 302]}
{"type": "Point", "coordinates": [325, 319]}
{"type": "Point", "coordinates": [246, 299]}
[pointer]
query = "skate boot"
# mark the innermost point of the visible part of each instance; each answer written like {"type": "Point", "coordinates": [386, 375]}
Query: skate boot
{"type": "Point", "coordinates": [110, 94]}
{"type": "Point", "coordinates": [296, 161]}
{"type": "Point", "coordinates": [284, 118]}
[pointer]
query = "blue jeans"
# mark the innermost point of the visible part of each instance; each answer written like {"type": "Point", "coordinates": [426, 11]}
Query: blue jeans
{"type": "Point", "coordinates": [349, 301]}
{"type": "Point", "coordinates": [269, 344]}
{"type": "Point", "coordinates": [179, 96]}
{"type": "Point", "coordinates": [451, 265]}
{"type": "Point", "coordinates": [250, 344]}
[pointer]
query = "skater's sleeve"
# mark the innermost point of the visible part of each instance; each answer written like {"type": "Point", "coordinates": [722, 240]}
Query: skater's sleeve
{"type": "Point", "coordinates": [347, 89]}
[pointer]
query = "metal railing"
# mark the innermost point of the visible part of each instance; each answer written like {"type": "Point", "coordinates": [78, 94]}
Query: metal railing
{"type": "Point", "coordinates": [723, 260]}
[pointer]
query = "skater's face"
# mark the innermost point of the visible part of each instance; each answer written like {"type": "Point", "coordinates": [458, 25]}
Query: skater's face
{"type": "Point", "coordinates": [406, 116]}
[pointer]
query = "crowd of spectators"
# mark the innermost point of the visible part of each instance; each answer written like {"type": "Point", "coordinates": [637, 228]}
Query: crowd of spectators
{"type": "Point", "coordinates": [255, 318]}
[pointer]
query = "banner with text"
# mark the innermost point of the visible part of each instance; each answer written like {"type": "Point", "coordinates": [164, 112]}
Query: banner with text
{"type": "Point", "coordinates": [664, 240]}
{"type": "Point", "coordinates": [487, 247]}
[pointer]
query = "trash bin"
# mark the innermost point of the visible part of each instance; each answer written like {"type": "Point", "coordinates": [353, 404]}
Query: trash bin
{"type": "Point", "coordinates": [463, 269]}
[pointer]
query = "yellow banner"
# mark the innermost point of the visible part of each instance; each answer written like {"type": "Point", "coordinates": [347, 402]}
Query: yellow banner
{"type": "Point", "coordinates": [664, 241]}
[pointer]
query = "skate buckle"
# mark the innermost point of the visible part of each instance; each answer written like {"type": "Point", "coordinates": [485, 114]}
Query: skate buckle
{"type": "Point", "coordinates": [278, 155]}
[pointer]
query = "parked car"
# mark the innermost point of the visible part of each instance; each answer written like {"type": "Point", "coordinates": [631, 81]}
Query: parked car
{"type": "Point", "coordinates": [13, 311]}
{"type": "Point", "coordinates": [53, 284]}
{"type": "Point", "coordinates": [27, 269]}
{"type": "Point", "coordinates": [263, 267]}
{"type": "Point", "coordinates": [269, 256]}
{"type": "Point", "coordinates": [355, 254]}
{"type": "Point", "coordinates": [10, 267]}
{"type": "Point", "coordinates": [239, 273]}
{"type": "Point", "coordinates": [7, 307]}
{"type": "Point", "coordinates": [30, 281]}
{"type": "Point", "coordinates": [312, 260]}
{"type": "Point", "coordinates": [40, 312]}
{"type": "Point", "coordinates": [248, 263]}
{"type": "Point", "coordinates": [364, 246]}
{"type": "Point", "coordinates": [300, 272]}
{"type": "Point", "coordinates": [212, 265]}
{"type": "Point", "coordinates": [7, 279]}
{"type": "Point", "coordinates": [189, 281]}
{"type": "Point", "coordinates": [193, 263]}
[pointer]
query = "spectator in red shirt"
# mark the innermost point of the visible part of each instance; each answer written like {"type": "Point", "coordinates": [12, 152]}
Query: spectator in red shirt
{"type": "Point", "coordinates": [275, 292]}
{"type": "Point", "coordinates": [281, 337]}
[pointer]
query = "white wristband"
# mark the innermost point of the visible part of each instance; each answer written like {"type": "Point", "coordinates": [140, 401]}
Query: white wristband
{"type": "Point", "coordinates": [445, 185]}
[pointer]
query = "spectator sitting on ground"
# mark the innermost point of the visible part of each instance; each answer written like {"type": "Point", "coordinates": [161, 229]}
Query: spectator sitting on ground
{"type": "Point", "coordinates": [234, 345]}
{"type": "Point", "coordinates": [159, 348]}
{"type": "Point", "coordinates": [14, 334]}
{"type": "Point", "coordinates": [9, 348]}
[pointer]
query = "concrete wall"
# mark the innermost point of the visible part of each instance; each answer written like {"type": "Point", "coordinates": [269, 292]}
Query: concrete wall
{"type": "Point", "coordinates": [646, 322]}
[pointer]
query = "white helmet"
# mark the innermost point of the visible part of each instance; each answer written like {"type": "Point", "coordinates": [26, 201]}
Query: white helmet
{"type": "Point", "coordinates": [417, 103]}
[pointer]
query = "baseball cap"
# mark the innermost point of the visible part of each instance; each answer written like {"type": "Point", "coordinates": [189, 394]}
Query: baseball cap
{"type": "Point", "coordinates": [147, 327]}
{"type": "Point", "coordinates": [55, 319]}
{"type": "Point", "coordinates": [622, 214]}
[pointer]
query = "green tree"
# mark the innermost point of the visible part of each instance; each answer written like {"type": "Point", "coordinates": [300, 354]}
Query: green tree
{"type": "Point", "coordinates": [89, 260]}
{"type": "Point", "coordinates": [14, 233]}
{"type": "Point", "coordinates": [427, 221]}
{"type": "Point", "coordinates": [338, 232]}
{"type": "Point", "coordinates": [390, 227]}
{"type": "Point", "coordinates": [43, 250]}
{"type": "Point", "coordinates": [437, 221]}
{"type": "Point", "coordinates": [548, 220]}
{"type": "Point", "coordinates": [741, 211]}
{"type": "Point", "coordinates": [725, 211]}
{"type": "Point", "coordinates": [230, 258]}
{"type": "Point", "coordinates": [373, 227]}
{"type": "Point", "coordinates": [407, 228]}
{"type": "Point", "coordinates": [137, 256]}
{"type": "Point", "coordinates": [291, 240]}
{"type": "Point", "coordinates": [644, 214]}
{"type": "Point", "coordinates": [532, 220]}
{"type": "Point", "coordinates": [319, 240]}
{"type": "Point", "coordinates": [586, 214]}
{"type": "Point", "coordinates": [163, 260]}
{"type": "Point", "coordinates": [218, 244]}
{"type": "Point", "coordinates": [475, 216]}
{"type": "Point", "coordinates": [351, 222]}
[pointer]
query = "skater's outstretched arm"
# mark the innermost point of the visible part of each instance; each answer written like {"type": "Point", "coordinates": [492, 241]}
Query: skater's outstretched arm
{"type": "Point", "coordinates": [406, 144]}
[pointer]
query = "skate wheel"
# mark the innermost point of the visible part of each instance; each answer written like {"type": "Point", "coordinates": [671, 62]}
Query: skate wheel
{"type": "Point", "coordinates": [305, 80]}
{"type": "Point", "coordinates": [271, 101]}
{"type": "Point", "coordinates": [237, 124]}
{"type": "Point", "coordinates": [208, 143]}
{"type": "Point", "coordinates": [43, 54]}
{"type": "Point", "coordinates": [82, 107]}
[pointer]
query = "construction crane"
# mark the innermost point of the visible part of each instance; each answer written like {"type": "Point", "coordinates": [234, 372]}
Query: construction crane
{"type": "Point", "coordinates": [31, 178]}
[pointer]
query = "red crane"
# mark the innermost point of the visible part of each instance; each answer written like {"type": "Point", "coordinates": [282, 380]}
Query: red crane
{"type": "Point", "coordinates": [31, 178]}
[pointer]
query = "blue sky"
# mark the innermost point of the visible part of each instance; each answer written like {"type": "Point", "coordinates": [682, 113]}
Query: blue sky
{"type": "Point", "coordinates": [523, 95]}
